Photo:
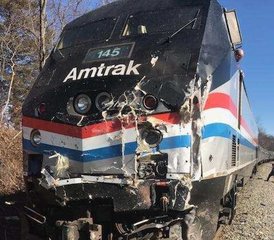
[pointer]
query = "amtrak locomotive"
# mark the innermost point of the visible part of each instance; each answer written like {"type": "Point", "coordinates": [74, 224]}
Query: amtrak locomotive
{"type": "Point", "coordinates": [139, 125]}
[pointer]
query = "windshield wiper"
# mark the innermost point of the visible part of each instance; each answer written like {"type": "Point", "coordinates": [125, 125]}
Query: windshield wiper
{"type": "Point", "coordinates": [194, 20]}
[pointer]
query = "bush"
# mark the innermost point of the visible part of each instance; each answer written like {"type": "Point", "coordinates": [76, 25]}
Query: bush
{"type": "Point", "coordinates": [11, 161]}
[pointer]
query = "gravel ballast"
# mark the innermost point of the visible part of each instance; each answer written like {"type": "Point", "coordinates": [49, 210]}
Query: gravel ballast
{"type": "Point", "coordinates": [255, 210]}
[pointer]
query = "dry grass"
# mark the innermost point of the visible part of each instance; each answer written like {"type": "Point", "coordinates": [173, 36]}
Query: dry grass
{"type": "Point", "coordinates": [11, 161]}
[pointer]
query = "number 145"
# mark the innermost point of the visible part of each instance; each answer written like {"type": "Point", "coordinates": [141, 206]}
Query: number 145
{"type": "Point", "coordinates": [109, 53]}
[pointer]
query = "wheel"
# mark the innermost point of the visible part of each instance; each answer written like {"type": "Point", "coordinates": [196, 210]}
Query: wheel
{"type": "Point", "coordinates": [228, 210]}
{"type": "Point", "coordinates": [233, 203]}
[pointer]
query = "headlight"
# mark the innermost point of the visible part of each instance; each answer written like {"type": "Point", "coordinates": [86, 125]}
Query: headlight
{"type": "Point", "coordinates": [35, 137]}
{"type": "Point", "coordinates": [103, 101]}
{"type": "Point", "coordinates": [82, 104]}
{"type": "Point", "coordinates": [153, 137]}
{"type": "Point", "coordinates": [150, 102]}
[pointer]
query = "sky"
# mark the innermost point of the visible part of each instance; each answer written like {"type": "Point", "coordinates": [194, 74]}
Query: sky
{"type": "Point", "coordinates": [256, 19]}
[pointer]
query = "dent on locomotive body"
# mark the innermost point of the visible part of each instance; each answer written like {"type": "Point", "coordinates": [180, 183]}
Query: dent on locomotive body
{"type": "Point", "coordinates": [143, 136]}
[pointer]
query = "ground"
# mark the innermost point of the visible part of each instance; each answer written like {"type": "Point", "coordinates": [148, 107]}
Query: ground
{"type": "Point", "coordinates": [255, 210]}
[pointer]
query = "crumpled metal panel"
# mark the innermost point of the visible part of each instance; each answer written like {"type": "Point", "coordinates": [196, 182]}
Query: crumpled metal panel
{"type": "Point", "coordinates": [216, 44]}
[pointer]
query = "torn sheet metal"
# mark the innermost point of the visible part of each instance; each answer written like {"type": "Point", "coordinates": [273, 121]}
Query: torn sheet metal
{"type": "Point", "coordinates": [47, 181]}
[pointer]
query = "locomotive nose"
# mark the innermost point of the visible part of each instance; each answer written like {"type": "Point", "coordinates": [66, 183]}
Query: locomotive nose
{"type": "Point", "coordinates": [103, 148]}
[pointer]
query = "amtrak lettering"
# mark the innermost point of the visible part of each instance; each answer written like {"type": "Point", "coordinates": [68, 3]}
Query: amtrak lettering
{"type": "Point", "coordinates": [102, 70]}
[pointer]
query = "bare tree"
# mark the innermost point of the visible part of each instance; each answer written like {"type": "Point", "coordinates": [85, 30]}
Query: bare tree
{"type": "Point", "coordinates": [12, 70]}
{"type": "Point", "coordinates": [60, 12]}
{"type": "Point", "coordinates": [43, 25]}
{"type": "Point", "coordinates": [18, 47]}
{"type": "Point", "coordinates": [266, 140]}
{"type": "Point", "coordinates": [28, 31]}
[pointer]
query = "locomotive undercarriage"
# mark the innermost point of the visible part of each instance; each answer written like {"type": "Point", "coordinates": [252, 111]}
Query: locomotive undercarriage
{"type": "Point", "coordinates": [148, 210]}
{"type": "Point", "coordinates": [125, 210]}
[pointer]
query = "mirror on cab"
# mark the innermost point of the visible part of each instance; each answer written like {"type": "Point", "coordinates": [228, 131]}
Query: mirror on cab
{"type": "Point", "coordinates": [233, 27]}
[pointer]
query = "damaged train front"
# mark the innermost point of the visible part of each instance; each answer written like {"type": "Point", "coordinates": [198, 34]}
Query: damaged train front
{"type": "Point", "coordinates": [107, 131]}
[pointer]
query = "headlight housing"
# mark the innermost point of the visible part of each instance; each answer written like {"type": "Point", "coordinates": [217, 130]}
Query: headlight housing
{"type": "Point", "coordinates": [35, 137]}
{"type": "Point", "coordinates": [150, 102]}
{"type": "Point", "coordinates": [82, 104]}
{"type": "Point", "coordinates": [103, 101]}
{"type": "Point", "coordinates": [153, 137]}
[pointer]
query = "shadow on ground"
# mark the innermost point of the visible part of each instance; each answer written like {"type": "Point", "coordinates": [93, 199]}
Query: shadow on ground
{"type": "Point", "coordinates": [11, 214]}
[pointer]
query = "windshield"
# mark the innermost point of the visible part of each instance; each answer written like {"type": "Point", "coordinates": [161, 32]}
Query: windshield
{"type": "Point", "coordinates": [161, 21]}
{"type": "Point", "coordinates": [94, 31]}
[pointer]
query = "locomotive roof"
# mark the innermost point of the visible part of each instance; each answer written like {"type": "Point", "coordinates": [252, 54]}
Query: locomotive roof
{"type": "Point", "coordinates": [132, 6]}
